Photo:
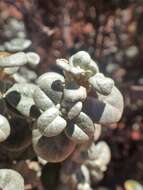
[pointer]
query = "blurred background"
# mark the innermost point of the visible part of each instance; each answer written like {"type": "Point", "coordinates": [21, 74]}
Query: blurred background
{"type": "Point", "coordinates": [112, 32]}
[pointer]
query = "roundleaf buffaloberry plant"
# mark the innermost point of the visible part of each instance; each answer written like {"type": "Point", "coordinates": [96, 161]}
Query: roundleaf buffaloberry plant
{"type": "Point", "coordinates": [59, 115]}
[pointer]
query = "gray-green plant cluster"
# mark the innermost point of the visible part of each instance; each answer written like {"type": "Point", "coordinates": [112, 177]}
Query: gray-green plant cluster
{"type": "Point", "coordinates": [63, 112]}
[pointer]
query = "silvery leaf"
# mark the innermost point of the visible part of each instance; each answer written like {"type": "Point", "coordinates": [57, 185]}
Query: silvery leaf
{"type": "Point", "coordinates": [75, 133]}
{"type": "Point", "coordinates": [27, 73]}
{"type": "Point", "coordinates": [11, 180]}
{"type": "Point", "coordinates": [53, 149]}
{"type": "Point", "coordinates": [4, 128]}
{"type": "Point", "coordinates": [41, 100]}
{"type": "Point", "coordinates": [93, 66]}
{"type": "Point", "coordinates": [102, 84]}
{"type": "Point", "coordinates": [17, 44]}
{"type": "Point", "coordinates": [55, 127]}
{"type": "Point", "coordinates": [33, 59]}
{"type": "Point", "coordinates": [97, 132]}
{"type": "Point", "coordinates": [23, 104]}
{"type": "Point", "coordinates": [73, 92]}
{"type": "Point", "coordinates": [75, 110]}
{"type": "Point", "coordinates": [19, 78]}
{"type": "Point", "coordinates": [115, 99]}
{"type": "Point", "coordinates": [15, 60]}
{"type": "Point", "coordinates": [100, 111]}
{"type": "Point", "coordinates": [77, 71]}
{"type": "Point", "coordinates": [47, 117]}
{"type": "Point", "coordinates": [102, 156]}
{"type": "Point", "coordinates": [63, 64]}
{"type": "Point", "coordinates": [24, 89]}
{"type": "Point", "coordinates": [86, 124]}
{"type": "Point", "coordinates": [52, 84]}
{"type": "Point", "coordinates": [11, 70]}
{"type": "Point", "coordinates": [81, 58]}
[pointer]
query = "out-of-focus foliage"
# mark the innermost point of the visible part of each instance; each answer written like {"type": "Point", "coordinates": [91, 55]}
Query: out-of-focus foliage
{"type": "Point", "coordinates": [132, 185]}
